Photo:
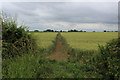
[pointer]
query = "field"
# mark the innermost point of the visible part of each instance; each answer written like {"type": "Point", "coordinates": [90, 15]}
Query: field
{"type": "Point", "coordinates": [44, 39]}
{"type": "Point", "coordinates": [88, 40]}
{"type": "Point", "coordinates": [28, 54]}
{"type": "Point", "coordinates": [59, 64]}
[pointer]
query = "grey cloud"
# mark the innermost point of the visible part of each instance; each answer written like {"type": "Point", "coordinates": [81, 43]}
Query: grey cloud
{"type": "Point", "coordinates": [70, 12]}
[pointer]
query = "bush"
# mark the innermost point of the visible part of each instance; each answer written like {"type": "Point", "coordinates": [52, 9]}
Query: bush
{"type": "Point", "coordinates": [15, 40]}
{"type": "Point", "coordinates": [107, 62]}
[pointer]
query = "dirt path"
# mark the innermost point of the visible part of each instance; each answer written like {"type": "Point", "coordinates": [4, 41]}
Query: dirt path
{"type": "Point", "coordinates": [59, 53]}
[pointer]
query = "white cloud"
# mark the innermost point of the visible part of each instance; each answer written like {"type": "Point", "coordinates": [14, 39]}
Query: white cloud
{"type": "Point", "coordinates": [65, 16]}
{"type": "Point", "coordinates": [79, 26]}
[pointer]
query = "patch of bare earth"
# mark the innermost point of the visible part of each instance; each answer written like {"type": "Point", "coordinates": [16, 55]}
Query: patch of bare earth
{"type": "Point", "coordinates": [59, 53]}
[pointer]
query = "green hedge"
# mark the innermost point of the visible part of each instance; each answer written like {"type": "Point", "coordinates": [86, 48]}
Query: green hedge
{"type": "Point", "coordinates": [107, 62]}
{"type": "Point", "coordinates": [15, 40]}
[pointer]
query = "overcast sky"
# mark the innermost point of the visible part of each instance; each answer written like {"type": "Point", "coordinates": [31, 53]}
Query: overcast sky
{"type": "Point", "coordinates": [88, 16]}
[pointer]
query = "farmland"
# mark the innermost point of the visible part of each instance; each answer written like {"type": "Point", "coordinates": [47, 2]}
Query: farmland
{"type": "Point", "coordinates": [44, 39]}
{"type": "Point", "coordinates": [28, 54]}
{"type": "Point", "coordinates": [38, 65]}
{"type": "Point", "coordinates": [88, 40]}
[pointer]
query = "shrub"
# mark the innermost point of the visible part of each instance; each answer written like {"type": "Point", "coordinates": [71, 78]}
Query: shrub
{"type": "Point", "coordinates": [15, 40]}
{"type": "Point", "coordinates": [107, 62]}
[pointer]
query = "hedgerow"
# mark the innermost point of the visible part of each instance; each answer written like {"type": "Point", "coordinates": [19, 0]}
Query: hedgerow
{"type": "Point", "coordinates": [15, 40]}
{"type": "Point", "coordinates": [108, 59]}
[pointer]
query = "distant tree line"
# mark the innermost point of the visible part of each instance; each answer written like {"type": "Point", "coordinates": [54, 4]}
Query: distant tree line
{"type": "Point", "coordinates": [76, 30]}
{"type": "Point", "coordinates": [72, 30]}
{"type": "Point", "coordinates": [50, 30]}
{"type": "Point", "coordinates": [36, 30]}
{"type": "Point", "coordinates": [109, 31]}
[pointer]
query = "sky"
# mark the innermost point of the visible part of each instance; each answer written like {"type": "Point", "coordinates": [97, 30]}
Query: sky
{"type": "Point", "coordinates": [89, 16]}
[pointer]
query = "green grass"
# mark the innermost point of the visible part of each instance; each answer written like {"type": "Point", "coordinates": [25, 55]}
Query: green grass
{"type": "Point", "coordinates": [20, 67]}
{"type": "Point", "coordinates": [88, 40]}
{"type": "Point", "coordinates": [44, 39]}
{"type": "Point", "coordinates": [27, 65]}
{"type": "Point", "coordinates": [36, 65]}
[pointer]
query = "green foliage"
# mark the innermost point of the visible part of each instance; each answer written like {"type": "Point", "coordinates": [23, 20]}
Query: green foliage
{"type": "Point", "coordinates": [15, 40]}
{"type": "Point", "coordinates": [48, 30]}
{"type": "Point", "coordinates": [36, 30]}
{"type": "Point", "coordinates": [107, 61]}
{"type": "Point", "coordinates": [24, 66]}
{"type": "Point", "coordinates": [75, 30]}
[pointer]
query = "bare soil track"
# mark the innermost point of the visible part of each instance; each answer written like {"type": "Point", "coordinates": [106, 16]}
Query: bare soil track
{"type": "Point", "coordinates": [59, 53]}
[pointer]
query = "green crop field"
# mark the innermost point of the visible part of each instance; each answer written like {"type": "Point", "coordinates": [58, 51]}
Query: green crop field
{"type": "Point", "coordinates": [44, 39]}
{"type": "Point", "coordinates": [88, 40]}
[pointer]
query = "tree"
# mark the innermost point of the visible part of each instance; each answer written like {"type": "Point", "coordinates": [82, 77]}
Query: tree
{"type": "Point", "coordinates": [55, 31]}
{"type": "Point", "coordinates": [104, 30]}
{"type": "Point", "coordinates": [49, 30]}
{"type": "Point", "coordinates": [61, 31]}
{"type": "Point", "coordinates": [36, 30]}
{"type": "Point", "coordinates": [80, 31]}
{"type": "Point", "coordinates": [73, 30]}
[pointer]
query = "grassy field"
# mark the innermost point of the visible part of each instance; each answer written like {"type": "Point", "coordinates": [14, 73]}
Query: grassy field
{"type": "Point", "coordinates": [88, 40]}
{"type": "Point", "coordinates": [22, 58]}
{"type": "Point", "coordinates": [36, 65]}
{"type": "Point", "coordinates": [44, 39]}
